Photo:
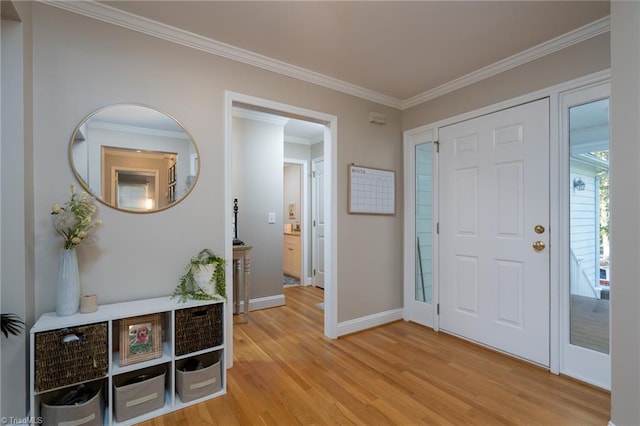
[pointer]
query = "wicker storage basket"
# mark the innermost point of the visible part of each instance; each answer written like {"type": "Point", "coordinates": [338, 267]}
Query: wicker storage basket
{"type": "Point", "coordinates": [89, 413]}
{"type": "Point", "coordinates": [138, 392]}
{"type": "Point", "coordinates": [70, 356]}
{"type": "Point", "coordinates": [198, 383]}
{"type": "Point", "coordinates": [198, 328]}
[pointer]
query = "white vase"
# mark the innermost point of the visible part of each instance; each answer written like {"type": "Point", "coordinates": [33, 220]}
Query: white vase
{"type": "Point", "coordinates": [68, 286]}
{"type": "Point", "coordinates": [204, 279]}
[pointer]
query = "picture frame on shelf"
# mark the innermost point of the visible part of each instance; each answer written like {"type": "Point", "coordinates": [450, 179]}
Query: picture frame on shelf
{"type": "Point", "coordinates": [140, 339]}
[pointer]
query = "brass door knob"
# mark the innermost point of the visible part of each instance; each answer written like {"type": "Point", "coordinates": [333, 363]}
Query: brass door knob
{"type": "Point", "coordinates": [539, 229]}
{"type": "Point", "coordinates": [538, 246]}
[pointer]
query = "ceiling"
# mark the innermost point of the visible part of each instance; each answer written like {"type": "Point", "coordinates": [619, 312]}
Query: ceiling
{"type": "Point", "coordinates": [396, 53]}
{"type": "Point", "coordinates": [396, 49]}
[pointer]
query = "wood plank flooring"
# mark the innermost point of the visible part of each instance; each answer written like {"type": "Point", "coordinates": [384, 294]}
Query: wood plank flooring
{"type": "Point", "coordinates": [287, 373]}
{"type": "Point", "coordinates": [590, 323]}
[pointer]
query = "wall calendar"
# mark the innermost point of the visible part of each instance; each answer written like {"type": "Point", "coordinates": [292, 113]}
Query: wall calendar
{"type": "Point", "coordinates": [371, 191]}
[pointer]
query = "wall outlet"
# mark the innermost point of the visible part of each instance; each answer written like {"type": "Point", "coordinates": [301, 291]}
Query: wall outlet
{"type": "Point", "coordinates": [271, 217]}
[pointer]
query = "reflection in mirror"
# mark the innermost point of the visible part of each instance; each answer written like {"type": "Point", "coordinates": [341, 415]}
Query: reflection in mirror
{"type": "Point", "coordinates": [134, 158]}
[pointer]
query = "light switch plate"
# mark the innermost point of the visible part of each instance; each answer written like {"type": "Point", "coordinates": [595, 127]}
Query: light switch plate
{"type": "Point", "coordinates": [271, 217]}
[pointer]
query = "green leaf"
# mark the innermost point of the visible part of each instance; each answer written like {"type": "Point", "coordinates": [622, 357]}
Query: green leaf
{"type": "Point", "coordinates": [11, 324]}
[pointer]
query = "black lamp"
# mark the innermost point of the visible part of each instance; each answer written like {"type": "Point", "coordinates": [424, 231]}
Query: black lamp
{"type": "Point", "coordinates": [578, 184]}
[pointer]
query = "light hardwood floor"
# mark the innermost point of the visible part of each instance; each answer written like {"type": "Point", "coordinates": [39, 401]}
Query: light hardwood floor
{"type": "Point", "coordinates": [287, 373]}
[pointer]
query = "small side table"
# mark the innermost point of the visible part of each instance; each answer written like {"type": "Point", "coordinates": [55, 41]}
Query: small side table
{"type": "Point", "coordinates": [242, 269]}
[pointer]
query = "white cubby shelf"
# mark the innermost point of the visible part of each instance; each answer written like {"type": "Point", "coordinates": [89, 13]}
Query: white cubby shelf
{"type": "Point", "coordinates": [111, 315]}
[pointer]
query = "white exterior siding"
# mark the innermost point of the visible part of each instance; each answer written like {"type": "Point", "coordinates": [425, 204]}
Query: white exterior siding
{"type": "Point", "coordinates": [584, 240]}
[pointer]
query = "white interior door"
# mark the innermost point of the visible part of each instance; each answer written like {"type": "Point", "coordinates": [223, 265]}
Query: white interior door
{"type": "Point", "coordinates": [318, 223]}
{"type": "Point", "coordinates": [494, 192]}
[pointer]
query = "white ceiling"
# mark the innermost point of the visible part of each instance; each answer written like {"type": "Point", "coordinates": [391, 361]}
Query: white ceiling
{"type": "Point", "coordinates": [397, 53]}
{"type": "Point", "coordinates": [303, 132]}
{"type": "Point", "coordinates": [398, 49]}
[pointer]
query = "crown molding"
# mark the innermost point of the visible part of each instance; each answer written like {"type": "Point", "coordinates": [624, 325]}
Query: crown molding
{"type": "Point", "coordinates": [153, 28]}
{"type": "Point", "coordinates": [125, 128]}
{"type": "Point", "coordinates": [576, 36]}
{"type": "Point", "coordinates": [259, 116]}
{"type": "Point", "coordinates": [297, 140]}
{"type": "Point", "coordinates": [147, 26]}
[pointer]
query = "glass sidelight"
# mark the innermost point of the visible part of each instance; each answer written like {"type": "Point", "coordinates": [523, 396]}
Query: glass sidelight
{"type": "Point", "coordinates": [424, 222]}
{"type": "Point", "coordinates": [588, 181]}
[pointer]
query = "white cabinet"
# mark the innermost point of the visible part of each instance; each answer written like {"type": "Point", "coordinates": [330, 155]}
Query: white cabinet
{"type": "Point", "coordinates": [85, 349]}
{"type": "Point", "coordinates": [291, 259]}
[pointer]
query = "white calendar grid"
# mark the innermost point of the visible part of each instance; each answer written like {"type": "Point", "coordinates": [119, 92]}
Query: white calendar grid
{"type": "Point", "coordinates": [371, 190]}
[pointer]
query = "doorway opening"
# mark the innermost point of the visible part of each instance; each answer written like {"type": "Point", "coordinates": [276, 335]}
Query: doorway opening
{"type": "Point", "coordinates": [303, 145]}
{"type": "Point", "coordinates": [293, 251]}
{"type": "Point", "coordinates": [271, 220]}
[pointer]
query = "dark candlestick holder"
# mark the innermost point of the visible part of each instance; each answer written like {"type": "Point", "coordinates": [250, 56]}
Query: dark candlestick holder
{"type": "Point", "coordinates": [236, 241]}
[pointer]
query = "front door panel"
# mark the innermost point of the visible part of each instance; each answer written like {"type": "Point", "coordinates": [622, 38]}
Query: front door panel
{"type": "Point", "coordinates": [494, 277]}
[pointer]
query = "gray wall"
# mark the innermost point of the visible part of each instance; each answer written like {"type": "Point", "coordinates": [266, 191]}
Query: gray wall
{"type": "Point", "coordinates": [625, 213]}
{"type": "Point", "coordinates": [293, 195]}
{"type": "Point", "coordinates": [587, 57]}
{"type": "Point", "coordinates": [297, 151]}
{"type": "Point", "coordinates": [16, 217]}
{"type": "Point", "coordinates": [317, 150]}
{"type": "Point", "coordinates": [12, 221]}
{"type": "Point", "coordinates": [257, 158]}
{"type": "Point", "coordinates": [80, 65]}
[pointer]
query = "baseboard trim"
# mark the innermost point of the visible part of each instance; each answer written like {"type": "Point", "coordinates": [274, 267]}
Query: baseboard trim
{"type": "Point", "coordinates": [370, 321]}
{"type": "Point", "coordinates": [264, 302]}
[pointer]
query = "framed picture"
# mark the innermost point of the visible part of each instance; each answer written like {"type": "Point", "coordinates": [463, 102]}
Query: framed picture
{"type": "Point", "coordinates": [292, 211]}
{"type": "Point", "coordinates": [140, 339]}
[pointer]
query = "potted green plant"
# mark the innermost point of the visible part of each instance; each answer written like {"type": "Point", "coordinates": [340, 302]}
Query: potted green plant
{"type": "Point", "coordinates": [11, 324]}
{"type": "Point", "coordinates": [203, 278]}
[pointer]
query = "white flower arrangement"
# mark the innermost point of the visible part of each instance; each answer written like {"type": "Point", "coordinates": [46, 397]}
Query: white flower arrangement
{"type": "Point", "coordinates": [74, 221]}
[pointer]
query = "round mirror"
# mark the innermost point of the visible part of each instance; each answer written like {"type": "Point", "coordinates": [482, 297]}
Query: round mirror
{"type": "Point", "coordinates": [134, 158]}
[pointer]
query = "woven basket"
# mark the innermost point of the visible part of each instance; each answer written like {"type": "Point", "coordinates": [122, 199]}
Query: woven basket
{"type": "Point", "coordinates": [198, 328]}
{"type": "Point", "coordinates": [79, 359]}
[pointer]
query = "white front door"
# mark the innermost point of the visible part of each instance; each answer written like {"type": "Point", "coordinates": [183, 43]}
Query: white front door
{"type": "Point", "coordinates": [318, 223]}
{"type": "Point", "coordinates": [494, 217]}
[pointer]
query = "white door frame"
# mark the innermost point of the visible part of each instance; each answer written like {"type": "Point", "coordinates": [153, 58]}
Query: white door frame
{"type": "Point", "coordinates": [144, 172]}
{"type": "Point", "coordinates": [554, 203]}
{"type": "Point", "coordinates": [306, 229]}
{"type": "Point", "coordinates": [314, 218]}
{"type": "Point", "coordinates": [330, 123]}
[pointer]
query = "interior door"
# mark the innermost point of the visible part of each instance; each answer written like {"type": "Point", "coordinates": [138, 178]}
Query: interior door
{"type": "Point", "coordinates": [318, 222]}
{"type": "Point", "coordinates": [494, 201]}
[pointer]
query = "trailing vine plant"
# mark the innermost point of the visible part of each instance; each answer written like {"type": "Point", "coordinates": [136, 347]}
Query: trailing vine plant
{"type": "Point", "coordinates": [188, 288]}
